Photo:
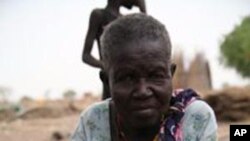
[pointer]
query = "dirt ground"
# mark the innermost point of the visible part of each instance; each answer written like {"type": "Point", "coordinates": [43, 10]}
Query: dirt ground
{"type": "Point", "coordinates": [42, 129]}
{"type": "Point", "coordinates": [37, 129]}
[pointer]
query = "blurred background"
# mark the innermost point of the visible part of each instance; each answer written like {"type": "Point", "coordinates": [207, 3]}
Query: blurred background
{"type": "Point", "coordinates": [44, 84]}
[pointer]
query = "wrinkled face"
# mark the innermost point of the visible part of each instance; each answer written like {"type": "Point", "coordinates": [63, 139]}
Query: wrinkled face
{"type": "Point", "coordinates": [141, 82]}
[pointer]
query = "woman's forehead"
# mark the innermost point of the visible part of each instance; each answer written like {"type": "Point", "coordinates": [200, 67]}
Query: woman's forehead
{"type": "Point", "coordinates": [141, 59]}
{"type": "Point", "coordinates": [144, 50]}
{"type": "Point", "coordinates": [141, 65]}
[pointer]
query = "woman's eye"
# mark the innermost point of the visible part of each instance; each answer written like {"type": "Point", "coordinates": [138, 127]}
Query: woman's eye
{"type": "Point", "coordinates": [157, 76]}
{"type": "Point", "coordinates": [126, 78]}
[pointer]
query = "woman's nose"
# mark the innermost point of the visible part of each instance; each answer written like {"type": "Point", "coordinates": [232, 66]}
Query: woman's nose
{"type": "Point", "coordinates": [142, 89]}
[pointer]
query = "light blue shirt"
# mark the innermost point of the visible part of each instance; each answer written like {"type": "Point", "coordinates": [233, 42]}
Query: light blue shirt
{"type": "Point", "coordinates": [198, 123]}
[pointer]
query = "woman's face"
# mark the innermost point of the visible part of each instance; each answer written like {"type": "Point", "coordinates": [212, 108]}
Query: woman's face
{"type": "Point", "coordinates": [141, 82]}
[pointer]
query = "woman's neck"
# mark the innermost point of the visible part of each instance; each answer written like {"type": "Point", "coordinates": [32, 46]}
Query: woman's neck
{"type": "Point", "coordinates": [128, 132]}
{"type": "Point", "coordinates": [140, 134]}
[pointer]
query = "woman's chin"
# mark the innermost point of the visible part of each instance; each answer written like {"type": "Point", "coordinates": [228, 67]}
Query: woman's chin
{"type": "Point", "coordinates": [144, 118]}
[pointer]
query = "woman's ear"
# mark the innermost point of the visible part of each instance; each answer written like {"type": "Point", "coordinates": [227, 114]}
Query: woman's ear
{"type": "Point", "coordinates": [173, 68]}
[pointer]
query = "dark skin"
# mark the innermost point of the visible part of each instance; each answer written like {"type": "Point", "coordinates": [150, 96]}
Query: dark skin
{"type": "Point", "coordinates": [140, 79]}
{"type": "Point", "coordinates": [98, 20]}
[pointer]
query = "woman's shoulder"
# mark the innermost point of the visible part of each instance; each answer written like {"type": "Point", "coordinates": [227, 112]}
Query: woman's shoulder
{"type": "Point", "coordinates": [96, 110]}
{"type": "Point", "coordinates": [197, 107]}
{"type": "Point", "coordinates": [199, 121]}
{"type": "Point", "coordinates": [197, 112]}
{"type": "Point", "coordinates": [93, 123]}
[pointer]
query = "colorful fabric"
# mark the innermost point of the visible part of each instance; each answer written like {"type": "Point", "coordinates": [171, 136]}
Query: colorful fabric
{"type": "Point", "coordinates": [191, 120]}
{"type": "Point", "coordinates": [171, 130]}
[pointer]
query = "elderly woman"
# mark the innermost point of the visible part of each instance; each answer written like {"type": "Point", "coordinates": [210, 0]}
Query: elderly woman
{"type": "Point", "coordinates": [136, 55]}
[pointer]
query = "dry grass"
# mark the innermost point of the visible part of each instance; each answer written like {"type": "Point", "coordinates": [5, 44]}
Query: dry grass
{"type": "Point", "coordinates": [230, 104]}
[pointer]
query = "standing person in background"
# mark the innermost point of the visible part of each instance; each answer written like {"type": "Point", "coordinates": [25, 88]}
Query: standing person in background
{"type": "Point", "coordinates": [99, 18]}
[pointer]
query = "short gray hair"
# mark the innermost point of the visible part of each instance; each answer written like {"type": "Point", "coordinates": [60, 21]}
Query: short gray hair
{"type": "Point", "coordinates": [130, 28]}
